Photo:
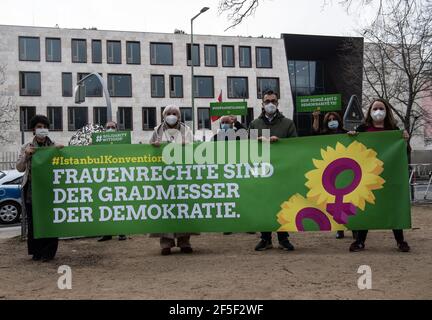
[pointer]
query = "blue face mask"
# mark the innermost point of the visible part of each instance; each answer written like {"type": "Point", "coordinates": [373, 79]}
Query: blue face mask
{"type": "Point", "coordinates": [333, 125]}
{"type": "Point", "coordinates": [225, 126]}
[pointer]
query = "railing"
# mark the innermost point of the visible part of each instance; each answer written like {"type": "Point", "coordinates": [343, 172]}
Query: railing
{"type": "Point", "coordinates": [421, 182]}
{"type": "Point", "coordinates": [8, 160]}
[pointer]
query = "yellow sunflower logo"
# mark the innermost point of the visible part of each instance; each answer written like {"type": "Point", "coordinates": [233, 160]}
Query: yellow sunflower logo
{"type": "Point", "coordinates": [342, 202]}
{"type": "Point", "coordinates": [297, 209]}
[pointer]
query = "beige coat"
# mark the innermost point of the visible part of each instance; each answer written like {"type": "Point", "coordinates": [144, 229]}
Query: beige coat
{"type": "Point", "coordinates": [180, 134]}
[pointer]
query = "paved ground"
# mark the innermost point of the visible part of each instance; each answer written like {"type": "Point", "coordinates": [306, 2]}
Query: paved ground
{"type": "Point", "coordinates": [226, 267]}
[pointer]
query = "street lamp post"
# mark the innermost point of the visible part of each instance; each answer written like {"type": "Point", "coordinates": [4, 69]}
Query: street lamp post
{"type": "Point", "coordinates": [80, 93]}
{"type": "Point", "coordinates": [192, 68]}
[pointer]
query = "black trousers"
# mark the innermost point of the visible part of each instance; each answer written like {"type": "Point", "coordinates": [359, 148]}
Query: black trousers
{"type": "Point", "coordinates": [268, 236]}
{"type": "Point", "coordinates": [362, 235]}
{"type": "Point", "coordinates": [43, 248]}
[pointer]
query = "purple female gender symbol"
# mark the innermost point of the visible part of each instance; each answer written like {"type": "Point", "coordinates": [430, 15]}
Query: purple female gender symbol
{"type": "Point", "coordinates": [314, 214]}
{"type": "Point", "coordinates": [340, 210]}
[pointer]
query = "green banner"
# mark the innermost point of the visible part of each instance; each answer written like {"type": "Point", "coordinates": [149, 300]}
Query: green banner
{"type": "Point", "coordinates": [117, 137]}
{"type": "Point", "coordinates": [323, 183]}
{"type": "Point", "coordinates": [328, 102]}
{"type": "Point", "coordinates": [220, 109]}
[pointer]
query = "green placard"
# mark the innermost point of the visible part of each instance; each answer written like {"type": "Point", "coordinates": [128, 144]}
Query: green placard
{"type": "Point", "coordinates": [326, 183]}
{"type": "Point", "coordinates": [117, 137]}
{"type": "Point", "coordinates": [327, 102]}
{"type": "Point", "coordinates": [219, 109]}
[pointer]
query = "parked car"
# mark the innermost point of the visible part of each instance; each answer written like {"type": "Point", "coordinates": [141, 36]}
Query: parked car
{"type": "Point", "coordinates": [10, 196]}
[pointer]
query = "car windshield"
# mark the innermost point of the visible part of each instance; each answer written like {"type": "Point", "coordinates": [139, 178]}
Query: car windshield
{"type": "Point", "coordinates": [2, 174]}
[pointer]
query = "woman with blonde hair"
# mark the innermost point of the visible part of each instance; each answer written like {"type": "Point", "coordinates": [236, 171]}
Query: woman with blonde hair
{"type": "Point", "coordinates": [172, 130]}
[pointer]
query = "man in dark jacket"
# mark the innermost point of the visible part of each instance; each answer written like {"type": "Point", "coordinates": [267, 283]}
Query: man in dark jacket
{"type": "Point", "coordinates": [280, 127]}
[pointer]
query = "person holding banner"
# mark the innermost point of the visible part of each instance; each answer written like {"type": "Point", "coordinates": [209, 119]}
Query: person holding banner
{"type": "Point", "coordinates": [41, 249]}
{"type": "Point", "coordinates": [379, 117]}
{"type": "Point", "coordinates": [228, 132]}
{"type": "Point", "coordinates": [111, 126]}
{"type": "Point", "coordinates": [280, 127]}
{"type": "Point", "coordinates": [332, 124]}
{"type": "Point", "coordinates": [172, 130]}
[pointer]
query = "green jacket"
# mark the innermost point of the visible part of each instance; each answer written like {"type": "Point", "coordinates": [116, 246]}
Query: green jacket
{"type": "Point", "coordinates": [280, 127]}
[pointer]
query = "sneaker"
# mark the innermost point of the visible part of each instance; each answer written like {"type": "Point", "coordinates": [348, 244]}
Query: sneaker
{"type": "Point", "coordinates": [340, 235]}
{"type": "Point", "coordinates": [263, 245]}
{"type": "Point", "coordinates": [286, 245]}
{"type": "Point", "coordinates": [356, 246]}
{"type": "Point", "coordinates": [187, 250]}
{"type": "Point", "coordinates": [403, 246]}
{"type": "Point", "coordinates": [166, 251]}
{"type": "Point", "coordinates": [122, 238]}
{"type": "Point", "coordinates": [105, 238]}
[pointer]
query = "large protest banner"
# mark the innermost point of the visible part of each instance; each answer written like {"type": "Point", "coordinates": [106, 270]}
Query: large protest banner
{"type": "Point", "coordinates": [325, 183]}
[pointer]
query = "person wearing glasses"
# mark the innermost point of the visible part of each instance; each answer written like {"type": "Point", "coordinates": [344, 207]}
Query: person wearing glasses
{"type": "Point", "coordinates": [111, 126]}
{"type": "Point", "coordinates": [280, 127]}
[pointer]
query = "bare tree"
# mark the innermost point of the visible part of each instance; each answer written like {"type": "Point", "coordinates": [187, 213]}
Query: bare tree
{"type": "Point", "coordinates": [398, 60]}
{"type": "Point", "coordinates": [238, 10]}
{"type": "Point", "coordinates": [8, 111]}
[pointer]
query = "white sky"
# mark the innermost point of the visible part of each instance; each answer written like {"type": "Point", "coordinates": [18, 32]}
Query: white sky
{"type": "Point", "coordinates": [272, 18]}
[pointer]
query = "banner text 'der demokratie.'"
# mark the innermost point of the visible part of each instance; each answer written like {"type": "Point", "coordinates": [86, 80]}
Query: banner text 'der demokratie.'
{"type": "Point", "coordinates": [308, 184]}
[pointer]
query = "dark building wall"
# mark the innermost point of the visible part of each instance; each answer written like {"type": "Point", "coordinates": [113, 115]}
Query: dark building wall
{"type": "Point", "coordinates": [341, 59]}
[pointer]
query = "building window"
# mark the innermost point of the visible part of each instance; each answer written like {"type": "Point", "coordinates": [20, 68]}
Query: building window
{"type": "Point", "coordinates": [114, 52]}
{"type": "Point", "coordinates": [29, 49]}
{"type": "Point", "coordinates": [246, 120]}
{"type": "Point", "coordinates": [228, 56]}
{"type": "Point", "coordinates": [120, 85]}
{"type": "Point", "coordinates": [204, 118]}
{"type": "Point", "coordinates": [196, 54]}
{"type": "Point", "coordinates": [149, 119]}
{"type": "Point", "coordinates": [100, 115]}
{"type": "Point", "coordinates": [53, 49]}
{"type": "Point", "coordinates": [67, 84]}
{"type": "Point", "coordinates": [264, 57]}
{"type": "Point", "coordinates": [77, 118]}
{"type": "Point", "coordinates": [30, 84]}
{"type": "Point", "coordinates": [245, 57]}
{"type": "Point", "coordinates": [92, 85]}
{"type": "Point", "coordinates": [306, 77]}
{"type": "Point", "coordinates": [210, 53]}
{"type": "Point", "coordinates": [161, 54]}
{"type": "Point", "coordinates": [238, 88]}
{"type": "Point", "coordinates": [79, 50]}
{"type": "Point", "coordinates": [176, 86]}
{"type": "Point", "coordinates": [124, 117]}
{"type": "Point", "coordinates": [204, 87]}
{"type": "Point", "coordinates": [55, 117]}
{"type": "Point", "coordinates": [266, 84]}
{"type": "Point", "coordinates": [186, 114]}
{"type": "Point", "coordinates": [158, 86]}
{"type": "Point", "coordinates": [133, 52]}
{"type": "Point", "coordinates": [96, 51]}
{"type": "Point", "coordinates": [26, 114]}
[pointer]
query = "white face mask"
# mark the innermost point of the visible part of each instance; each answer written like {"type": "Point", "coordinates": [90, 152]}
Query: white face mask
{"type": "Point", "coordinates": [110, 130]}
{"type": "Point", "coordinates": [171, 120]}
{"type": "Point", "coordinates": [333, 125]}
{"type": "Point", "coordinates": [270, 108]}
{"type": "Point", "coordinates": [378, 115]}
{"type": "Point", "coordinates": [42, 133]}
